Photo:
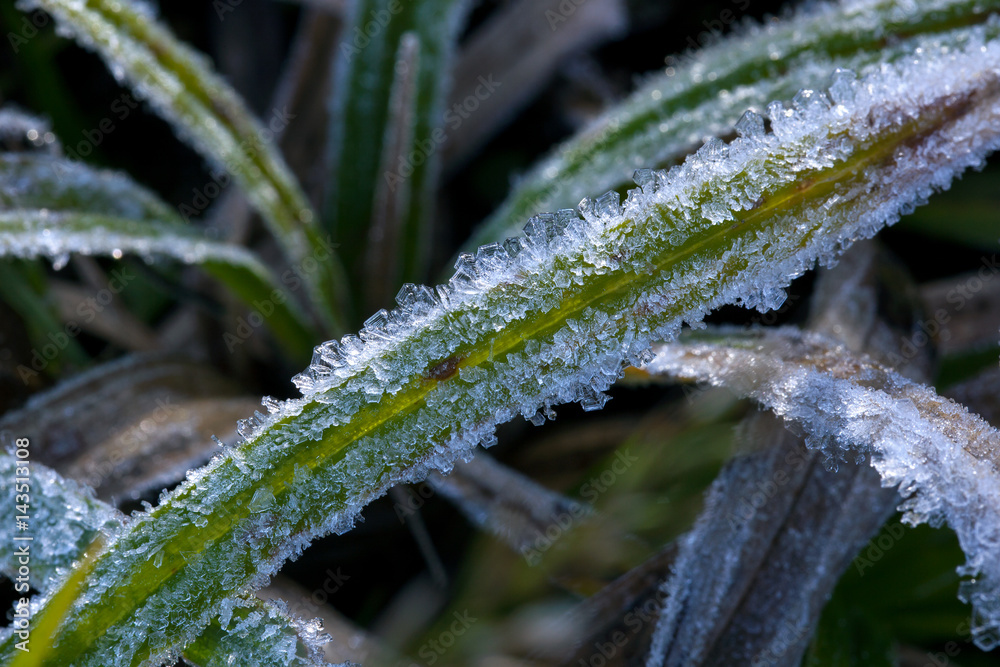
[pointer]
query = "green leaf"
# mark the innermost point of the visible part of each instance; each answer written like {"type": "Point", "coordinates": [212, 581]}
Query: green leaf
{"type": "Point", "coordinates": [181, 86]}
{"type": "Point", "coordinates": [23, 287]}
{"type": "Point", "coordinates": [52, 207]}
{"type": "Point", "coordinates": [67, 524]}
{"type": "Point", "coordinates": [552, 317]}
{"type": "Point", "coordinates": [385, 144]}
{"type": "Point", "coordinates": [704, 94]}
{"type": "Point", "coordinates": [32, 233]}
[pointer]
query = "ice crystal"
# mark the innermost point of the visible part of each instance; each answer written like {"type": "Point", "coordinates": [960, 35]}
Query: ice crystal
{"type": "Point", "coordinates": [646, 130]}
{"type": "Point", "coordinates": [941, 457]}
{"type": "Point", "coordinates": [555, 318]}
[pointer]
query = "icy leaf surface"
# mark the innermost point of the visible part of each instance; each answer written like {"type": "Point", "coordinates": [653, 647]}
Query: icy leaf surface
{"type": "Point", "coordinates": [180, 85]}
{"type": "Point", "coordinates": [41, 181]}
{"type": "Point", "coordinates": [775, 518]}
{"type": "Point", "coordinates": [52, 207]}
{"type": "Point", "coordinates": [942, 458]}
{"type": "Point", "coordinates": [546, 318]}
{"type": "Point", "coordinates": [66, 518]}
{"type": "Point", "coordinates": [254, 632]}
{"type": "Point", "coordinates": [706, 93]}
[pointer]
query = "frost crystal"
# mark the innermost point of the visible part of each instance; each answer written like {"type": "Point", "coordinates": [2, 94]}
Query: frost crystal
{"type": "Point", "coordinates": [557, 319]}
{"type": "Point", "coordinates": [939, 455]}
{"type": "Point", "coordinates": [646, 130]}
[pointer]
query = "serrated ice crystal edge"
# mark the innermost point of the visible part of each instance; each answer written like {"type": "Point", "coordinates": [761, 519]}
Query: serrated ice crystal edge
{"type": "Point", "coordinates": [715, 85]}
{"type": "Point", "coordinates": [66, 516]}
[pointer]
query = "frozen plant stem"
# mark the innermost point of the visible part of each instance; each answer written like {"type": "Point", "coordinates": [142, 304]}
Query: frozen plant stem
{"type": "Point", "coordinates": [548, 317]}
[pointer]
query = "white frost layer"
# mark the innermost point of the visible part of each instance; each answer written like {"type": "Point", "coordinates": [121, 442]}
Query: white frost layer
{"type": "Point", "coordinates": [507, 287]}
{"type": "Point", "coordinates": [39, 181]}
{"type": "Point", "coordinates": [65, 517]}
{"type": "Point", "coordinates": [716, 89]}
{"type": "Point", "coordinates": [942, 458]}
{"type": "Point", "coordinates": [55, 235]}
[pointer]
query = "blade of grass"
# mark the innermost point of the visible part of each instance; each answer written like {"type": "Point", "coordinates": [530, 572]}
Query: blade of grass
{"type": "Point", "coordinates": [23, 288]}
{"type": "Point", "coordinates": [181, 86]}
{"type": "Point", "coordinates": [69, 526]}
{"type": "Point", "coordinates": [551, 318]}
{"type": "Point", "coordinates": [51, 207]}
{"type": "Point", "coordinates": [942, 458]}
{"type": "Point", "coordinates": [362, 123]}
{"type": "Point", "coordinates": [34, 233]}
{"type": "Point", "coordinates": [704, 94]}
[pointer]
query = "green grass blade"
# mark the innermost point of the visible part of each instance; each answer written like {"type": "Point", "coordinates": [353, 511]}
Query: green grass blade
{"type": "Point", "coordinates": [181, 86]}
{"type": "Point", "coordinates": [705, 93]}
{"type": "Point", "coordinates": [363, 120]}
{"type": "Point", "coordinates": [23, 287]}
{"type": "Point", "coordinates": [551, 317]}
{"type": "Point", "coordinates": [56, 234]}
{"type": "Point", "coordinates": [45, 181]}
{"type": "Point", "coordinates": [51, 207]}
{"type": "Point", "coordinates": [66, 520]}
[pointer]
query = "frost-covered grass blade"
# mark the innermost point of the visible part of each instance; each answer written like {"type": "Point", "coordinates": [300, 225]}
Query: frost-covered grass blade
{"type": "Point", "coordinates": [549, 317]}
{"type": "Point", "coordinates": [942, 458]}
{"type": "Point", "coordinates": [69, 522]}
{"type": "Point", "coordinates": [705, 93]}
{"type": "Point", "coordinates": [57, 234]}
{"type": "Point", "coordinates": [52, 207]}
{"type": "Point", "coordinates": [181, 86]}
